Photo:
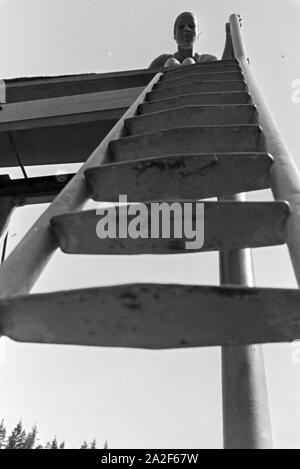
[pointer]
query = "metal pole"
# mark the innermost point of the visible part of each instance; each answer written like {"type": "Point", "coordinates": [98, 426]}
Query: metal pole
{"type": "Point", "coordinates": [246, 417]}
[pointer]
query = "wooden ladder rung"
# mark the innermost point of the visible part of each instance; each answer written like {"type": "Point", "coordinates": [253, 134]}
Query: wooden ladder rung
{"type": "Point", "coordinates": [193, 99]}
{"type": "Point", "coordinates": [195, 176]}
{"type": "Point", "coordinates": [192, 115]}
{"type": "Point", "coordinates": [198, 87]}
{"type": "Point", "coordinates": [226, 226]}
{"type": "Point", "coordinates": [166, 82]}
{"type": "Point", "coordinates": [193, 139]}
{"type": "Point", "coordinates": [154, 316]}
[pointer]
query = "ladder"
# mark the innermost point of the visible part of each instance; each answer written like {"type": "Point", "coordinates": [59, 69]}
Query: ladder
{"type": "Point", "coordinates": [196, 132]}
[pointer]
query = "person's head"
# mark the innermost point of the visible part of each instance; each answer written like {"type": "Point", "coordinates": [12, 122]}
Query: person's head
{"type": "Point", "coordinates": [186, 30]}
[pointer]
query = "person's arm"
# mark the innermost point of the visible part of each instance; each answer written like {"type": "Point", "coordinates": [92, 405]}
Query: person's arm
{"type": "Point", "coordinates": [228, 49]}
{"type": "Point", "coordinates": [160, 61]}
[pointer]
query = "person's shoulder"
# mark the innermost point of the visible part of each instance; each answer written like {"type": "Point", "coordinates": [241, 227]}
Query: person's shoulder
{"type": "Point", "coordinates": [206, 58]}
{"type": "Point", "coordinates": [160, 61]}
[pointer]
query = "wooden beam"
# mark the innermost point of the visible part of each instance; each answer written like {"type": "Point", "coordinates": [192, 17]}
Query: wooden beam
{"type": "Point", "coordinates": [67, 106]}
{"type": "Point", "coordinates": [27, 89]}
{"type": "Point", "coordinates": [60, 130]}
{"type": "Point", "coordinates": [33, 190]}
{"type": "Point", "coordinates": [58, 144]}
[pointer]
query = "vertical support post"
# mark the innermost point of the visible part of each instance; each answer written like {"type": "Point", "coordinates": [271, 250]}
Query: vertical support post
{"type": "Point", "coordinates": [7, 206]}
{"type": "Point", "coordinates": [246, 418]}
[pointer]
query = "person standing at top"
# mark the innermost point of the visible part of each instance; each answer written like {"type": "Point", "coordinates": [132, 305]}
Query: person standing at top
{"type": "Point", "coordinates": [186, 33]}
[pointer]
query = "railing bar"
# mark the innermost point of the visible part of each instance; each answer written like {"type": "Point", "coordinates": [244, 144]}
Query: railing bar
{"type": "Point", "coordinates": [246, 417]}
{"type": "Point", "coordinates": [285, 176]}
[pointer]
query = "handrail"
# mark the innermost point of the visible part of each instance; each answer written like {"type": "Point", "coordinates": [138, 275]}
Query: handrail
{"type": "Point", "coordinates": [246, 416]}
{"type": "Point", "coordinates": [24, 265]}
{"type": "Point", "coordinates": [285, 176]}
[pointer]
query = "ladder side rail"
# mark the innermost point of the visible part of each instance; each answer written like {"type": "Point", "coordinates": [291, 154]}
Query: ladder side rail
{"type": "Point", "coordinates": [285, 176]}
{"type": "Point", "coordinates": [26, 262]}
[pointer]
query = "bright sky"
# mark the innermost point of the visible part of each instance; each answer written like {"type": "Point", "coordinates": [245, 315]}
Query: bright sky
{"type": "Point", "coordinates": [143, 399]}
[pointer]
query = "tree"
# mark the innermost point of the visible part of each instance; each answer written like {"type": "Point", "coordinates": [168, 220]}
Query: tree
{"type": "Point", "coordinates": [2, 434]}
{"type": "Point", "coordinates": [54, 444]}
{"type": "Point", "coordinates": [19, 439]}
{"type": "Point", "coordinates": [93, 444]}
{"type": "Point", "coordinates": [31, 438]}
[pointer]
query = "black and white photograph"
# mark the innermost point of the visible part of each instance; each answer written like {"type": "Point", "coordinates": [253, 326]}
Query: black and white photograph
{"type": "Point", "coordinates": [149, 227]}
